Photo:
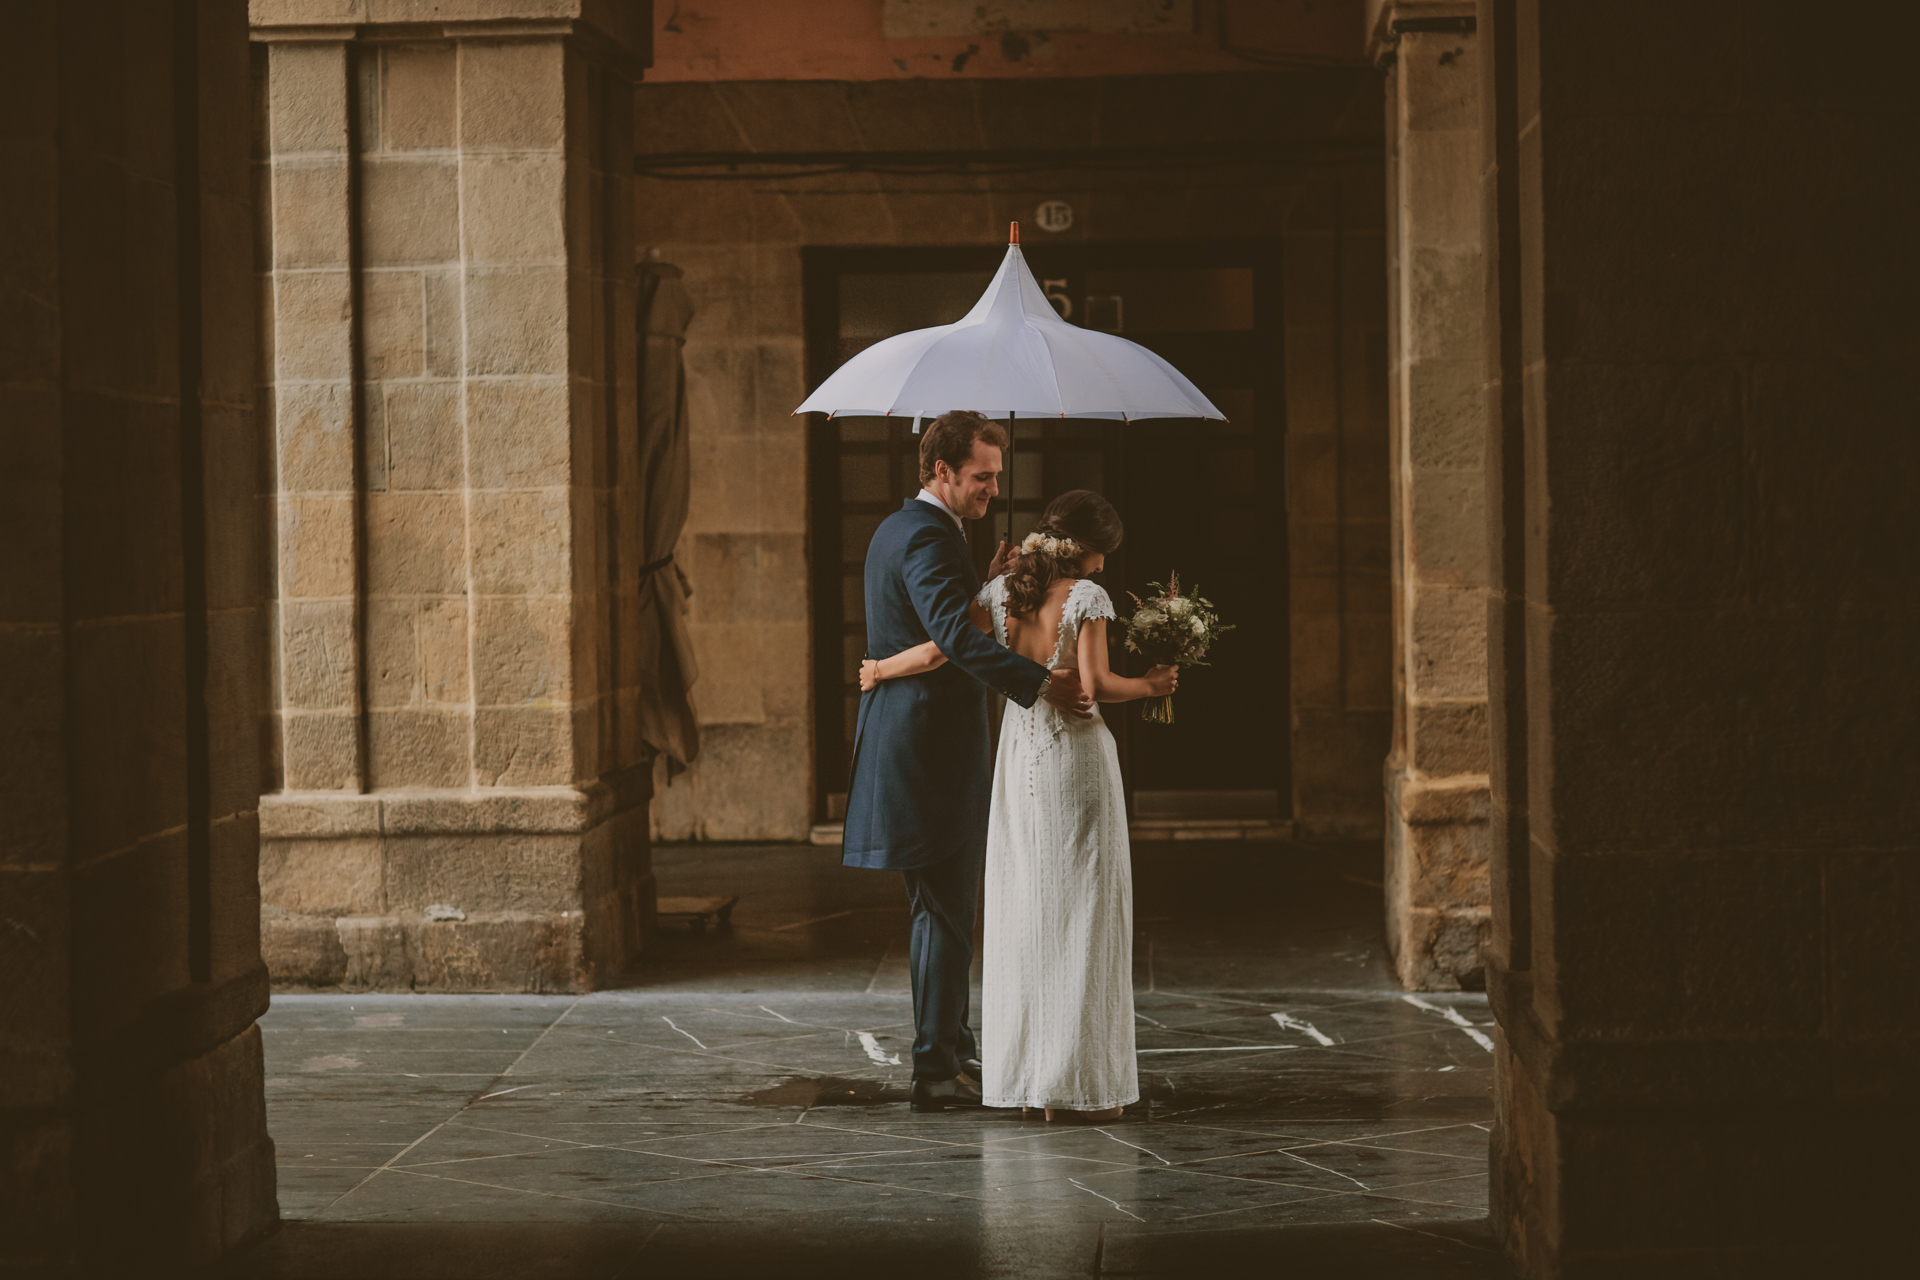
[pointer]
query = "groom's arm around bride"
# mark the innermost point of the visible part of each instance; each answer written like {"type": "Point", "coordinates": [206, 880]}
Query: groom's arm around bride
{"type": "Point", "coordinates": [941, 584]}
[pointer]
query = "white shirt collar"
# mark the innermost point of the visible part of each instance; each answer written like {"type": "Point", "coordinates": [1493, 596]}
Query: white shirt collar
{"type": "Point", "coordinates": [926, 495]}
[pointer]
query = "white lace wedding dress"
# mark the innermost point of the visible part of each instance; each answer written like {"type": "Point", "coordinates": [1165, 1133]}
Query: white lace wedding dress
{"type": "Point", "coordinates": [1057, 1001]}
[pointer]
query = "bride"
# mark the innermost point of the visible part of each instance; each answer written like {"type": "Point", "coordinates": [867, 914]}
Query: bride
{"type": "Point", "coordinates": [1057, 1023]}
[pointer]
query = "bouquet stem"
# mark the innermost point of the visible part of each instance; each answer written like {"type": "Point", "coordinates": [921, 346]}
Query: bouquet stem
{"type": "Point", "coordinates": [1157, 710]}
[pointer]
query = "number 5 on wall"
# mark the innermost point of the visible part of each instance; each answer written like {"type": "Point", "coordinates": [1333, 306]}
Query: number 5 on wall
{"type": "Point", "coordinates": [1061, 302]}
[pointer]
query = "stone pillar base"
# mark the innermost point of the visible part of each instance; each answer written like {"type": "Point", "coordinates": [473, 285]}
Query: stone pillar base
{"type": "Point", "coordinates": [1438, 922]}
{"type": "Point", "coordinates": [189, 1148]}
{"type": "Point", "coordinates": [532, 889]}
{"type": "Point", "coordinates": [148, 1154]}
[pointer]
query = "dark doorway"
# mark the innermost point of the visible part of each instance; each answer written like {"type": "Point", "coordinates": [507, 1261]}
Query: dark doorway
{"type": "Point", "coordinates": [1206, 499]}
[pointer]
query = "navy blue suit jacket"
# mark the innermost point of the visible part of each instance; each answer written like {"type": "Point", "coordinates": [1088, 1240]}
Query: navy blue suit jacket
{"type": "Point", "coordinates": [922, 770]}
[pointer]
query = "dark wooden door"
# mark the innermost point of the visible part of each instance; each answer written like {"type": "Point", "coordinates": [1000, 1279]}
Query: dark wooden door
{"type": "Point", "coordinates": [1205, 499]}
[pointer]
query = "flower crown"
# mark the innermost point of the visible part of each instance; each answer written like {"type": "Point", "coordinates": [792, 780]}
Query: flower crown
{"type": "Point", "coordinates": [1063, 548]}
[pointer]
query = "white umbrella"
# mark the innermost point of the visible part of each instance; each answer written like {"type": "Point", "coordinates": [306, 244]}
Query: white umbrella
{"type": "Point", "coordinates": [1012, 356]}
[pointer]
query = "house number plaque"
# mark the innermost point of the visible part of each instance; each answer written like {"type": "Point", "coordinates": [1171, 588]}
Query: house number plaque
{"type": "Point", "coordinates": [1054, 215]}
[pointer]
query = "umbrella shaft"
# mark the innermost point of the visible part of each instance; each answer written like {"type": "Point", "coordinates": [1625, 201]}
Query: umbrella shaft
{"type": "Point", "coordinates": [1013, 431]}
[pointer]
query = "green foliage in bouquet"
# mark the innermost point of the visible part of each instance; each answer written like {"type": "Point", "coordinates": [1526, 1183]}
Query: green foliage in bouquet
{"type": "Point", "coordinates": [1169, 629]}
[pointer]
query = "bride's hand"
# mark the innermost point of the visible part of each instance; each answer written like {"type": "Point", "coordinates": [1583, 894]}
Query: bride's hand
{"type": "Point", "coordinates": [869, 674]}
{"type": "Point", "coordinates": [1162, 681]}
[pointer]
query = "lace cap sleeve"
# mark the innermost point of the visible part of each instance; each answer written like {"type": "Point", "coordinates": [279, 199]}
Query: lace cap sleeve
{"type": "Point", "coordinates": [993, 598]}
{"type": "Point", "coordinates": [1092, 601]}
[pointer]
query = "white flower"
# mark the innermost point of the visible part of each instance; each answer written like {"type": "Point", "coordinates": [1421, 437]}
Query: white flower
{"type": "Point", "coordinates": [1179, 606]}
{"type": "Point", "coordinates": [1198, 627]}
{"type": "Point", "coordinates": [1062, 548]}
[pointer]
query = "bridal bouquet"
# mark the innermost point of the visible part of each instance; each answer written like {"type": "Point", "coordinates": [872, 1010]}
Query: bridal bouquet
{"type": "Point", "coordinates": [1167, 629]}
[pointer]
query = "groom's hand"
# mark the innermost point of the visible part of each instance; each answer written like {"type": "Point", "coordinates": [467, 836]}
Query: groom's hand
{"type": "Point", "coordinates": [1065, 693]}
{"type": "Point", "coordinates": [1000, 558]}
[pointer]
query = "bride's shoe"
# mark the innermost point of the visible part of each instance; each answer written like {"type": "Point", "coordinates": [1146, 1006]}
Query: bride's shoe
{"type": "Point", "coordinates": [1083, 1117]}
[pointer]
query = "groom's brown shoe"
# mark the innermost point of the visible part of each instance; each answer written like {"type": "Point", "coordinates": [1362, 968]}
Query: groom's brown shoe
{"type": "Point", "coordinates": [939, 1095]}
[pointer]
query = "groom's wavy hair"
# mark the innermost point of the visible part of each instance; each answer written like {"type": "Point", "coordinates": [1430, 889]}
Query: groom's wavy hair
{"type": "Point", "coordinates": [1079, 514]}
{"type": "Point", "coordinates": [950, 440]}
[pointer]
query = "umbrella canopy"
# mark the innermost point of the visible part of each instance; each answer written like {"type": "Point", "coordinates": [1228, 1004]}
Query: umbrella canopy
{"type": "Point", "coordinates": [1011, 355]}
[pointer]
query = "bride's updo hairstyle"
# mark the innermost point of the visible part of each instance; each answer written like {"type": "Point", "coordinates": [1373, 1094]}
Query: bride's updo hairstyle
{"type": "Point", "coordinates": [1072, 525]}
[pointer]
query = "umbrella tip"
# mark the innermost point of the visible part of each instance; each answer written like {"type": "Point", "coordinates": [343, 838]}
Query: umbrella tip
{"type": "Point", "coordinates": [1013, 234]}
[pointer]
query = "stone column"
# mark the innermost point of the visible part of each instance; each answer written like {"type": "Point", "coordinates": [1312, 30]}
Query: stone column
{"type": "Point", "coordinates": [133, 669]}
{"type": "Point", "coordinates": [1436, 772]}
{"type": "Point", "coordinates": [1707, 518]}
{"type": "Point", "coordinates": [463, 796]}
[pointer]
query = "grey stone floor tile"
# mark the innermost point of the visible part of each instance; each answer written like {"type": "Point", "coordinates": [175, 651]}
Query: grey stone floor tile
{"type": "Point", "coordinates": [333, 1150]}
{"type": "Point", "coordinates": [1122, 1144]}
{"type": "Point", "coordinates": [1409, 1135]}
{"type": "Point", "coordinates": [1316, 1207]}
{"type": "Point", "coordinates": [372, 1008]}
{"type": "Point", "coordinates": [315, 1124]}
{"type": "Point", "coordinates": [1338, 1166]}
{"type": "Point", "coordinates": [307, 1186]}
{"type": "Point", "coordinates": [577, 1171]}
{"type": "Point", "coordinates": [1463, 1191]}
{"type": "Point", "coordinates": [420, 1196]}
{"type": "Point", "coordinates": [384, 1060]}
{"type": "Point", "coordinates": [304, 1194]}
{"type": "Point", "coordinates": [944, 1130]}
{"type": "Point", "coordinates": [457, 1141]}
{"type": "Point", "coordinates": [598, 1133]}
{"type": "Point", "coordinates": [1466, 1141]}
{"type": "Point", "coordinates": [441, 1031]}
{"type": "Point", "coordinates": [959, 1170]}
{"type": "Point", "coordinates": [769, 1193]}
{"type": "Point", "coordinates": [785, 1143]}
{"type": "Point", "coordinates": [367, 1098]}
{"type": "Point", "coordinates": [1173, 1195]}
{"type": "Point", "coordinates": [739, 1107]}
{"type": "Point", "coordinates": [704, 1049]}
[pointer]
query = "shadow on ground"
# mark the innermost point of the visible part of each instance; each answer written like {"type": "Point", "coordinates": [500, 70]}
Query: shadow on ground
{"type": "Point", "coordinates": [547, 1251]}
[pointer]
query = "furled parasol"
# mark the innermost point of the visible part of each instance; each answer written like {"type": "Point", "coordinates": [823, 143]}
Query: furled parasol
{"type": "Point", "coordinates": [667, 720]}
{"type": "Point", "coordinates": [1011, 357]}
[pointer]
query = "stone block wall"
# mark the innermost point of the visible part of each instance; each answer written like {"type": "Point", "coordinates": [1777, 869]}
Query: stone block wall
{"type": "Point", "coordinates": [133, 663]}
{"type": "Point", "coordinates": [744, 548]}
{"type": "Point", "coordinates": [1438, 897]}
{"type": "Point", "coordinates": [452, 377]}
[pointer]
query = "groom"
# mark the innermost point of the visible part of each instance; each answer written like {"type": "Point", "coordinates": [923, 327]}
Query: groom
{"type": "Point", "coordinates": [917, 801]}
